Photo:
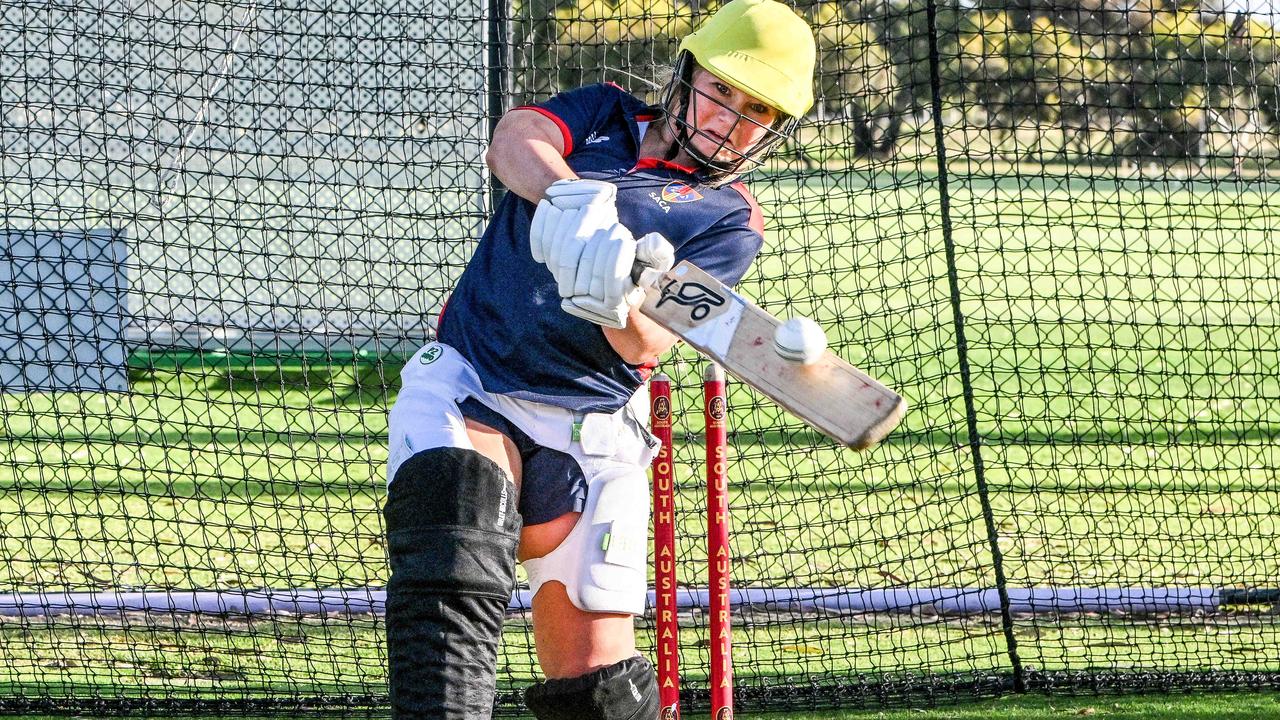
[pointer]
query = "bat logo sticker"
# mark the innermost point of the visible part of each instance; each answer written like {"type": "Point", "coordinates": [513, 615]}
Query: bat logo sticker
{"type": "Point", "coordinates": [691, 294]}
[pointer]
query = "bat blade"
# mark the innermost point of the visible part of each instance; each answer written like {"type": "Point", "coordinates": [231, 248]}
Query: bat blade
{"type": "Point", "coordinates": [830, 394]}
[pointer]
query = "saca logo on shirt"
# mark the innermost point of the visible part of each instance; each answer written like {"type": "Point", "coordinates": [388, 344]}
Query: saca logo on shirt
{"type": "Point", "coordinates": [675, 193]}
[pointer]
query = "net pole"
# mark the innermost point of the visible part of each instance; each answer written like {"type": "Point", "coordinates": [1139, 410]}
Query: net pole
{"type": "Point", "coordinates": [713, 390]}
{"type": "Point", "coordinates": [664, 550]}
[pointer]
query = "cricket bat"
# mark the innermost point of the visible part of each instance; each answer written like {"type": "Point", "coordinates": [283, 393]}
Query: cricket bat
{"type": "Point", "coordinates": [829, 394]}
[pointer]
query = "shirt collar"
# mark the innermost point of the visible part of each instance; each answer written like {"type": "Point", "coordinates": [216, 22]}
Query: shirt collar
{"type": "Point", "coordinates": [650, 163]}
{"type": "Point", "coordinates": [650, 114]}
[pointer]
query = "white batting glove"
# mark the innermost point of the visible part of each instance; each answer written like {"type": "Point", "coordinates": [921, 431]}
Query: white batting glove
{"type": "Point", "coordinates": [602, 284]}
{"type": "Point", "coordinates": [651, 252]}
{"type": "Point", "coordinates": [592, 310]}
{"type": "Point", "coordinates": [603, 270]}
{"type": "Point", "coordinates": [570, 209]}
{"type": "Point", "coordinates": [656, 256]}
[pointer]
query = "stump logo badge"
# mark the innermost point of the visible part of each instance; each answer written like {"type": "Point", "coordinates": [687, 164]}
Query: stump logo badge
{"type": "Point", "coordinates": [716, 409]}
{"type": "Point", "coordinates": [661, 408]}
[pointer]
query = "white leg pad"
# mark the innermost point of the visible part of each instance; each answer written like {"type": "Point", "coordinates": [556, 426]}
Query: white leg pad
{"type": "Point", "coordinates": [603, 561]}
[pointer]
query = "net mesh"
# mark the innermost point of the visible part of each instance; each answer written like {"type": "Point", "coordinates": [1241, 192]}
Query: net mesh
{"type": "Point", "coordinates": [1049, 226]}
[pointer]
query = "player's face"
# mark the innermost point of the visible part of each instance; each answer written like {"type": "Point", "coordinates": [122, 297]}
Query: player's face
{"type": "Point", "coordinates": [725, 121]}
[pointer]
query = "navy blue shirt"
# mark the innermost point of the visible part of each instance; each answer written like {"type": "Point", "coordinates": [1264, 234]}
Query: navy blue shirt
{"type": "Point", "coordinates": [504, 315]}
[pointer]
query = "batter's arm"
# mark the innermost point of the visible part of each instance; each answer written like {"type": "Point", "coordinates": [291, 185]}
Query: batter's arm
{"type": "Point", "coordinates": [641, 340]}
{"type": "Point", "coordinates": [526, 153]}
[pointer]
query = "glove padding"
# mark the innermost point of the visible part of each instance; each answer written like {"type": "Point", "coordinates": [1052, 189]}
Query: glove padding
{"type": "Point", "coordinates": [656, 256]}
{"type": "Point", "coordinates": [610, 271]}
{"type": "Point", "coordinates": [570, 212]}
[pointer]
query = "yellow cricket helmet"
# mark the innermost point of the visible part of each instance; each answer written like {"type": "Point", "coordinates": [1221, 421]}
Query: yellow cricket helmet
{"type": "Point", "coordinates": [761, 47]}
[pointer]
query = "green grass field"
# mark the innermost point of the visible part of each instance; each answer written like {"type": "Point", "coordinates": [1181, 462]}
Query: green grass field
{"type": "Point", "coordinates": [1123, 348]}
{"type": "Point", "coordinates": [1215, 706]}
{"type": "Point", "coordinates": [1222, 706]}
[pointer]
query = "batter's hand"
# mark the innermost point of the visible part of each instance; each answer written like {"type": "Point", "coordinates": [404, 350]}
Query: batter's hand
{"type": "Point", "coordinates": [604, 292]}
{"type": "Point", "coordinates": [570, 212]}
{"type": "Point", "coordinates": [657, 256]}
{"type": "Point", "coordinates": [592, 310]}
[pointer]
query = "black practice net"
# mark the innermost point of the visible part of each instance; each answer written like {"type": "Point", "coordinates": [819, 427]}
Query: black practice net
{"type": "Point", "coordinates": [1051, 227]}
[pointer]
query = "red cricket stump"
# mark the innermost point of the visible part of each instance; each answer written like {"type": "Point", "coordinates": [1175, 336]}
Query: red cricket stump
{"type": "Point", "coordinates": [713, 391]}
{"type": "Point", "coordinates": [664, 551]}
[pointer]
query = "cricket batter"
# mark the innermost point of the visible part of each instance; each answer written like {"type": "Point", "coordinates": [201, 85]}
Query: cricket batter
{"type": "Point", "coordinates": [521, 432]}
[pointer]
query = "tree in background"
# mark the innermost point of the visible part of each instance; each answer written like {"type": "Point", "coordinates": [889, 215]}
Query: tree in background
{"type": "Point", "coordinates": [569, 43]}
{"type": "Point", "coordinates": [858, 82]}
{"type": "Point", "coordinates": [1102, 80]}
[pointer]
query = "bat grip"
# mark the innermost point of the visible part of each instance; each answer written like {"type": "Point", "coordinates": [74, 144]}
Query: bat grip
{"type": "Point", "coordinates": [637, 271]}
{"type": "Point", "coordinates": [645, 275]}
